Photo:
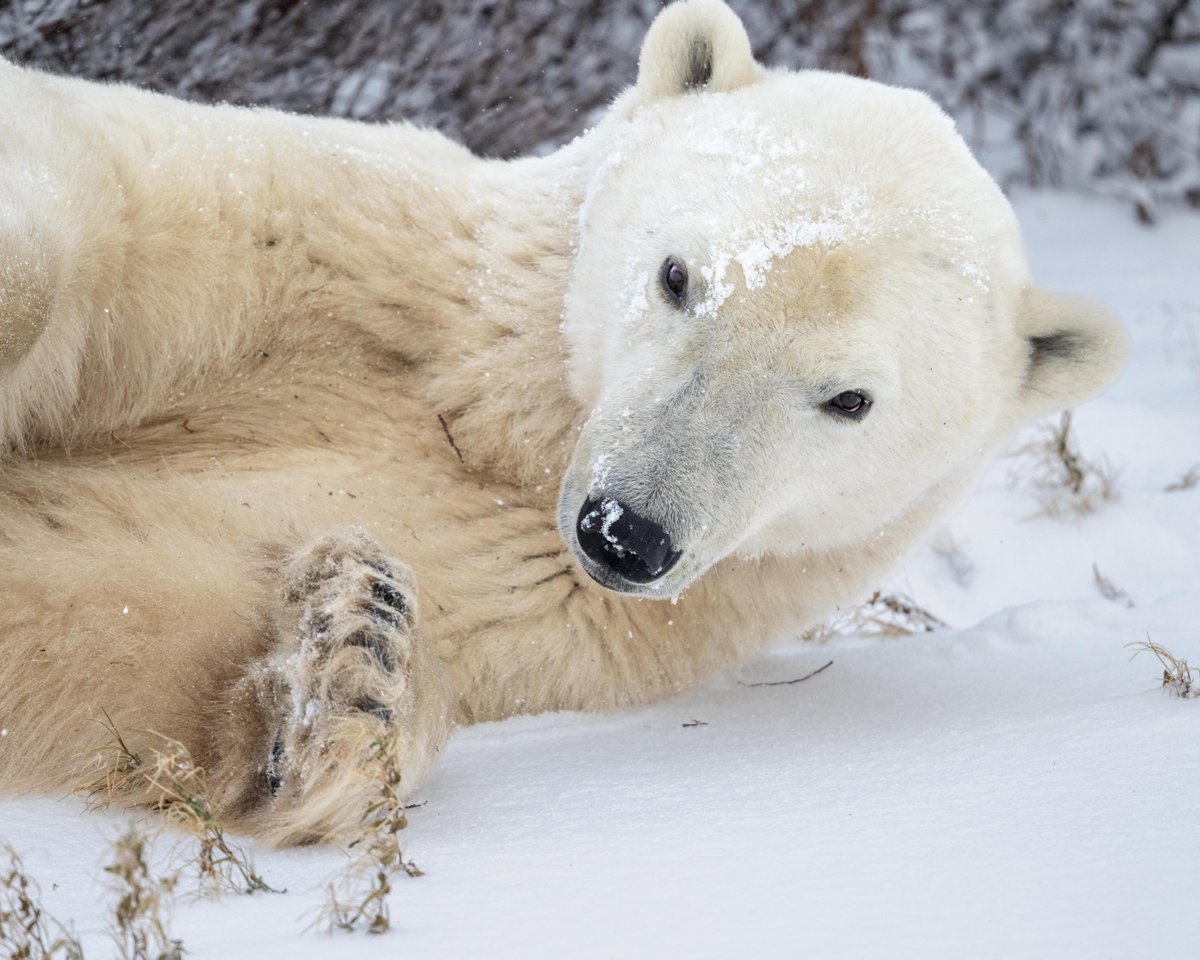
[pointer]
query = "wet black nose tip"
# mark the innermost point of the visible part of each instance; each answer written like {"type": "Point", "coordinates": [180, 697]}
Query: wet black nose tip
{"type": "Point", "coordinates": [618, 538]}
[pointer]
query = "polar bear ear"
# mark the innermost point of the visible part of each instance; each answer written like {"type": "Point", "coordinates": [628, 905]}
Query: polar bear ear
{"type": "Point", "coordinates": [695, 45]}
{"type": "Point", "coordinates": [1076, 348]}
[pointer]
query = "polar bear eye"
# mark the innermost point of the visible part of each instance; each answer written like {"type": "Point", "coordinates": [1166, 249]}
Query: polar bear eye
{"type": "Point", "coordinates": [674, 279]}
{"type": "Point", "coordinates": [852, 404]}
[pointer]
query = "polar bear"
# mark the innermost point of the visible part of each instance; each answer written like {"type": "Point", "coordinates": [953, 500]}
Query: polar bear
{"type": "Point", "coordinates": [315, 430]}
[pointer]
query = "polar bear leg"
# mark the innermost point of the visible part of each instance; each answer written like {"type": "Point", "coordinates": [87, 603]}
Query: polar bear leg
{"type": "Point", "coordinates": [279, 672]}
{"type": "Point", "coordinates": [347, 672]}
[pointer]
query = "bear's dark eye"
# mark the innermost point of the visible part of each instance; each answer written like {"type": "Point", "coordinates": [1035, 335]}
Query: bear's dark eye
{"type": "Point", "coordinates": [853, 404]}
{"type": "Point", "coordinates": [674, 280]}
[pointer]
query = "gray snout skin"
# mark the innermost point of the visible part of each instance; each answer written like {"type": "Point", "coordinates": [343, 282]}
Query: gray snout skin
{"type": "Point", "coordinates": [659, 491]}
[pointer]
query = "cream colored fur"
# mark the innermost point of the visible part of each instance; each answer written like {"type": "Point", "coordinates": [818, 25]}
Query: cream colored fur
{"type": "Point", "coordinates": [230, 338]}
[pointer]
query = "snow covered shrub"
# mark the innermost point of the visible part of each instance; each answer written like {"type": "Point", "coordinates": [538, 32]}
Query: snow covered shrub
{"type": "Point", "coordinates": [1102, 95]}
{"type": "Point", "coordinates": [1097, 94]}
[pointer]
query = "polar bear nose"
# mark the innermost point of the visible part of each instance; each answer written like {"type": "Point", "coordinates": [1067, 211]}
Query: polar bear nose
{"type": "Point", "coordinates": [620, 539]}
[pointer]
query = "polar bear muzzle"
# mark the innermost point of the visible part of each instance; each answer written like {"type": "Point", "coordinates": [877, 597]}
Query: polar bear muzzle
{"type": "Point", "coordinates": [623, 543]}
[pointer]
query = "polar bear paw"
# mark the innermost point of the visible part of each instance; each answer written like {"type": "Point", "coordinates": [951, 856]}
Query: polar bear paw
{"type": "Point", "coordinates": [344, 667]}
{"type": "Point", "coordinates": [344, 674]}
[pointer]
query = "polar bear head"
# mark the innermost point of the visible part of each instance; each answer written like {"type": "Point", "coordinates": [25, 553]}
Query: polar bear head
{"type": "Point", "coordinates": [799, 312]}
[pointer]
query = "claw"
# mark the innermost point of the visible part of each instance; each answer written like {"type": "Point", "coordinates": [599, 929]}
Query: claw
{"type": "Point", "coordinates": [274, 765]}
{"type": "Point", "coordinates": [375, 709]}
{"type": "Point", "coordinates": [388, 596]}
{"type": "Point", "coordinates": [387, 613]}
{"type": "Point", "coordinates": [377, 646]}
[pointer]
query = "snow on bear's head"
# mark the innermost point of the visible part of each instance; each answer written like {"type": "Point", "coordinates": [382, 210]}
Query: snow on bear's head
{"type": "Point", "coordinates": [799, 312]}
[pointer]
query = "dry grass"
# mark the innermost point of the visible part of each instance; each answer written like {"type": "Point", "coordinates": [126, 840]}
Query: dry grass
{"type": "Point", "coordinates": [177, 787]}
{"type": "Point", "coordinates": [119, 770]}
{"type": "Point", "coordinates": [360, 896]}
{"type": "Point", "coordinates": [955, 557]}
{"type": "Point", "coordinates": [1109, 590]}
{"type": "Point", "coordinates": [181, 792]}
{"type": "Point", "coordinates": [141, 927]}
{"type": "Point", "coordinates": [883, 615]}
{"type": "Point", "coordinates": [172, 784]}
{"type": "Point", "coordinates": [1065, 482]}
{"type": "Point", "coordinates": [1189, 481]}
{"type": "Point", "coordinates": [1177, 677]}
{"type": "Point", "coordinates": [27, 931]}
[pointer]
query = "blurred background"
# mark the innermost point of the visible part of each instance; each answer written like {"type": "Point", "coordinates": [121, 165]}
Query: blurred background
{"type": "Point", "coordinates": [1100, 95]}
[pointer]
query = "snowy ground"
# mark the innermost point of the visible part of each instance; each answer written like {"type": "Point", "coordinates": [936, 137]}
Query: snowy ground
{"type": "Point", "coordinates": [1014, 787]}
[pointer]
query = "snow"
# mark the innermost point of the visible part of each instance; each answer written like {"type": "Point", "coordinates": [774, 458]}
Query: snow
{"type": "Point", "coordinates": [757, 247]}
{"type": "Point", "coordinates": [612, 512]}
{"type": "Point", "coordinates": [1016, 786]}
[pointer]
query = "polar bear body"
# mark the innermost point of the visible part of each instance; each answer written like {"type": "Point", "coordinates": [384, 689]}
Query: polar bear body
{"type": "Point", "coordinates": [270, 385]}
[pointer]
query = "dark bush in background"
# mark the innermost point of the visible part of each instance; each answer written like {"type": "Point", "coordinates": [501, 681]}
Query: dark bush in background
{"type": "Point", "coordinates": [1103, 96]}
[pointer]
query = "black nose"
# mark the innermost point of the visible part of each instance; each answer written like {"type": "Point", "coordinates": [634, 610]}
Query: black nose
{"type": "Point", "coordinates": [621, 540]}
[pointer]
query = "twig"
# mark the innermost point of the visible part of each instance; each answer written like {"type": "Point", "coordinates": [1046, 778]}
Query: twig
{"type": "Point", "coordinates": [786, 683]}
{"type": "Point", "coordinates": [453, 445]}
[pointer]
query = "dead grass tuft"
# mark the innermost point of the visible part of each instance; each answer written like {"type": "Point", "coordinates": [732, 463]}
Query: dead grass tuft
{"type": "Point", "coordinates": [27, 931]}
{"type": "Point", "coordinates": [1109, 590]}
{"type": "Point", "coordinates": [172, 783]}
{"type": "Point", "coordinates": [883, 615]}
{"type": "Point", "coordinates": [141, 926]}
{"type": "Point", "coordinates": [1177, 677]}
{"type": "Point", "coordinates": [181, 792]}
{"type": "Point", "coordinates": [955, 557]}
{"type": "Point", "coordinates": [118, 770]}
{"type": "Point", "coordinates": [361, 895]}
{"type": "Point", "coordinates": [1065, 482]}
{"type": "Point", "coordinates": [1189, 481]}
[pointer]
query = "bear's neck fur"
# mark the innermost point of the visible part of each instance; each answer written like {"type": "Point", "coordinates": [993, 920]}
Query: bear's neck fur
{"type": "Point", "coordinates": [393, 212]}
{"type": "Point", "coordinates": [501, 384]}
